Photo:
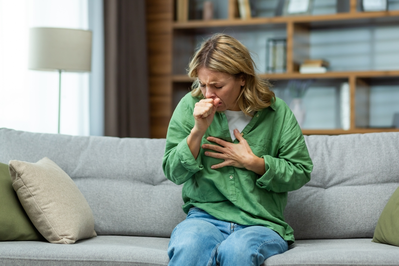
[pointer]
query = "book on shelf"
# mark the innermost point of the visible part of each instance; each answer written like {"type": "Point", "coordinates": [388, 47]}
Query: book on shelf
{"type": "Point", "coordinates": [253, 6]}
{"type": "Point", "coordinates": [244, 9]}
{"type": "Point", "coordinates": [314, 66]}
{"type": "Point", "coordinates": [276, 55]}
{"type": "Point", "coordinates": [375, 5]}
{"type": "Point", "coordinates": [315, 62]}
{"type": "Point", "coordinates": [308, 70]}
{"type": "Point", "coordinates": [278, 11]}
{"type": "Point", "coordinates": [297, 7]}
{"type": "Point", "coordinates": [182, 10]}
{"type": "Point", "coordinates": [345, 106]}
{"type": "Point", "coordinates": [207, 13]}
{"type": "Point", "coordinates": [362, 106]}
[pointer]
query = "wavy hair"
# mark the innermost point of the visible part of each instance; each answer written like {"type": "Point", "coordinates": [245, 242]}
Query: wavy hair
{"type": "Point", "coordinates": [223, 53]}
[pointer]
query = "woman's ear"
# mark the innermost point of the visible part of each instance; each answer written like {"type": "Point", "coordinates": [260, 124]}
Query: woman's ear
{"type": "Point", "coordinates": [242, 80]}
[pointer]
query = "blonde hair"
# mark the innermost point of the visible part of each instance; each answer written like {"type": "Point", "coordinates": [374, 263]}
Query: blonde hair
{"type": "Point", "coordinates": [223, 53]}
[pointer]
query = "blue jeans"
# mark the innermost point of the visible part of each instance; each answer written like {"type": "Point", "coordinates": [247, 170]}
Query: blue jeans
{"type": "Point", "coordinates": [203, 240]}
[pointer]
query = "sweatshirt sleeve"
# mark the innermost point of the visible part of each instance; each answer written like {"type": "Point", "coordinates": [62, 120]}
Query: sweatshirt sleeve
{"type": "Point", "coordinates": [292, 166]}
{"type": "Point", "coordinates": [178, 163]}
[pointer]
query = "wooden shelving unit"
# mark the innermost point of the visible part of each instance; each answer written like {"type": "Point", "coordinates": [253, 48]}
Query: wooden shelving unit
{"type": "Point", "coordinates": [296, 75]}
{"type": "Point", "coordinates": [339, 17]}
{"type": "Point", "coordinates": [166, 86]}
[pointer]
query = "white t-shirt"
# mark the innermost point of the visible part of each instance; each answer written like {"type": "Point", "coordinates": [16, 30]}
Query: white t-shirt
{"type": "Point", "coordinates": [236, 120]}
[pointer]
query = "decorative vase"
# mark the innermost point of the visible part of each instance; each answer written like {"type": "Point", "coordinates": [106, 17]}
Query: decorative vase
{"type": "Point", "coordinates": [299, 111]}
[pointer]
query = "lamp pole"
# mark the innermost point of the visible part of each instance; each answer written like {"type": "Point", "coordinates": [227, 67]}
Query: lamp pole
{"type": "Point", "coordinates": [59, 100]}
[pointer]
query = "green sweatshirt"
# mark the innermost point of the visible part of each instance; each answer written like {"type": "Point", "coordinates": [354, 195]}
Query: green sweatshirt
{"type": "Point", "coordinates": [235, 194]}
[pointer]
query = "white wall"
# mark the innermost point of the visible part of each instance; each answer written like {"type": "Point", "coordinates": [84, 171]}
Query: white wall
{"type": "Point", "coordinates": [29, 99]}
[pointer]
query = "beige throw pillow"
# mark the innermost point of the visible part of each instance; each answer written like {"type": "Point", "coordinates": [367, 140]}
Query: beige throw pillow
{"type": "Point", "coordinates": [52, 201]}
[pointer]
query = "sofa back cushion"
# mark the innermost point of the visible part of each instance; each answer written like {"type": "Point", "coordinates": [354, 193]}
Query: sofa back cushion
{"type": "Point", "coordinates": [121, 178]}
{"type": "Point", "coordinates": [353, 178]}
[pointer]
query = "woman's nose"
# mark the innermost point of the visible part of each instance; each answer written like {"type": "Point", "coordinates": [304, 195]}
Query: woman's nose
{"type": "Point", "coordinates": [209, 93]}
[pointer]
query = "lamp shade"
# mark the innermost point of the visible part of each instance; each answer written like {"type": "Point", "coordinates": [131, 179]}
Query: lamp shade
{"type": "Point", "coordinates": [60, 49]}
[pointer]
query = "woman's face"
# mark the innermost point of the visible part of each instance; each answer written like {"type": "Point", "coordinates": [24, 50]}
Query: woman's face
{"type": "Point", "coordinates": [221, 85]}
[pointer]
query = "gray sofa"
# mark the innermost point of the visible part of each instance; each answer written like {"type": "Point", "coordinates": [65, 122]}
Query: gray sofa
{"type": "Point", "coordinates": [136, 208]}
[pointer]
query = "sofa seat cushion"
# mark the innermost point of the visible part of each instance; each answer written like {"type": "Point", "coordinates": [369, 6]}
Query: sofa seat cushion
{"type": "Point", "coordinates": [326, 252]}
{"type": "Point", "coordinates": [101, 250]}
{"type": "Point", "coordinates": [140, 251]}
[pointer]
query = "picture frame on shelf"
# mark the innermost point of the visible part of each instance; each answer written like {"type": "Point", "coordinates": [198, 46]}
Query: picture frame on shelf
{"type": "Point", "coordinates": [374, 5]}
{"type": "Point", "coordinates": [297, 7]}
{"type": "Point", "coordinates": [276, 55]}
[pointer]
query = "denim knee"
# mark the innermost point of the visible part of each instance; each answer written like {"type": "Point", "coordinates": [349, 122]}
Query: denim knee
{"type": "Point", "coordinates": [236, 251]}
{"type": "Point", "coordinates": [250, 246]}
{"type": "Point", "coordinates": [193, 242]}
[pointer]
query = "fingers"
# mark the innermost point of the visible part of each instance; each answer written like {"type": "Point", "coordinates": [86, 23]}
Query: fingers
{"type": "Point", "coordinates": [218, 141]}
{"type": "Point", "coordinates": [204, 108]}
{"type": "Point", "coordinates": [219, 150]}
{"type": "Point", "coordinates": [215, 103]}
{"type": "Point", "coordinates": [238, 135]}
{"type": "Point", "coordinates": [233, 154]}
{"type": "Point", "coordinates": [215, 155]}
{"type": "Point", "coordinates": [223, 164]}
{"type": "Point", "coordinates": [212, 147]}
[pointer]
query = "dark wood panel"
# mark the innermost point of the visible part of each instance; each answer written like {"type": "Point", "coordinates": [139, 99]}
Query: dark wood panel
{"type": "Point", "coordinates": [159, 45]}
{"type": "Point", "coordinates": [159, 126]}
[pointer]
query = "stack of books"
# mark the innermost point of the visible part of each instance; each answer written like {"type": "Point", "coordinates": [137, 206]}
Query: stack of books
{"type": "Point", "coordinates": [314, 66]}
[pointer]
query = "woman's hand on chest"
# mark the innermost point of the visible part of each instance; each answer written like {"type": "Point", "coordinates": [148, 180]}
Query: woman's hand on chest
{"type": "Point", "coordinates": [238, 155]}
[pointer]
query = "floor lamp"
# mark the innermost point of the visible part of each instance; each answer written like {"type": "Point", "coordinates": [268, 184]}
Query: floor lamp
{"type": "Point", "coordinates": [62, 50]}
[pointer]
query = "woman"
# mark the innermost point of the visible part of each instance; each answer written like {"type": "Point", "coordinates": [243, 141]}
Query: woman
{"type": "Point", "coordinates": [238, 150]}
